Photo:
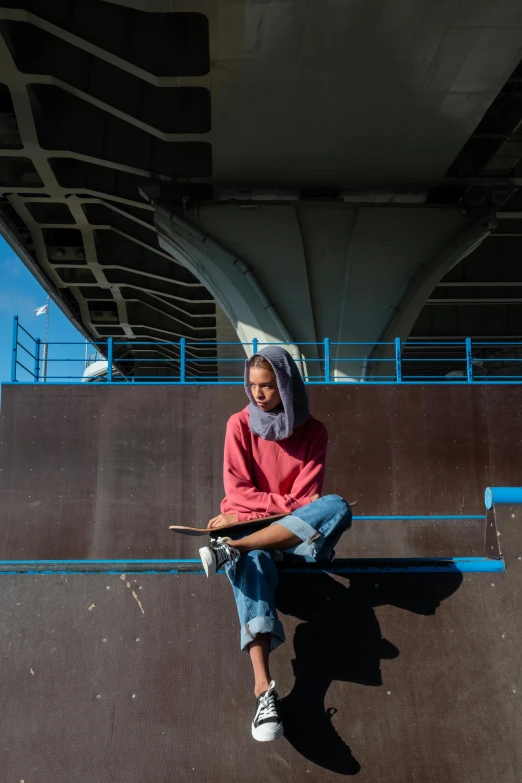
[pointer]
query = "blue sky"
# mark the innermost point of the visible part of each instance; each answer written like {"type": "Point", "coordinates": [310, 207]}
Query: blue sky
{"type": "Point", "coordinates": [21, 294]}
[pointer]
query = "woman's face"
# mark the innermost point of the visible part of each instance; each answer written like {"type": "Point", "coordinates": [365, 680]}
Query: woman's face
{"type": "Point", "coordinates": [264, 388]}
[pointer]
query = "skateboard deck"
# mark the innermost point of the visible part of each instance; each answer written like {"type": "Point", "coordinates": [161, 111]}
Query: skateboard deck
{"type": "Point", "coordinates": [201, 531]}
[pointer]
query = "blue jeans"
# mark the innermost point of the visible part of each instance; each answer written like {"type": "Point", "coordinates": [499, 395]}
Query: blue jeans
{"type": "Point", "coordinates": [254, 578]}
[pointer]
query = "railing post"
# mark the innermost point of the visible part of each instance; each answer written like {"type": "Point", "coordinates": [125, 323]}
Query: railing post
{"type": "Point", "coordinates": [44, 361]}
{"type": "Point", "coordinates": [37, 359]}
{"type": "Point", "coordinates": [327, 373]}
{"type": "Point", "coordinates": [182, 360]}
{"type": "Point", "coordinates": [398, 360]}
{"type": "Point", "coordinates": [109, 359]}
{"type": "Point", "coordinates": [254, 346]}
{"type": "Point", "coordinates": [14, 355]}
{"type": "Point", "coordinates": [469, 360]}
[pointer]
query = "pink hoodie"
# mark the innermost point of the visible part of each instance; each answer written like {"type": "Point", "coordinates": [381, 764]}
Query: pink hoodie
{"type": "Point", "coordinates": [264, 477]}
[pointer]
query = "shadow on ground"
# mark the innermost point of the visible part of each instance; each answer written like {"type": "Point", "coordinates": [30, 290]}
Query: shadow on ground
{"type": "Point", "coordinates": [340, 639]}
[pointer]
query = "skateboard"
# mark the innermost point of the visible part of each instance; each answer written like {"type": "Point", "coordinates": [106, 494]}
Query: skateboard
{"type": "Point", "coordinates": [214, 531]}
{"type": "Point", "coordinates": [217, 531]}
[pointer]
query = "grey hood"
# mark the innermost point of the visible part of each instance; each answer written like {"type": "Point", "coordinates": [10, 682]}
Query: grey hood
{"type": "Point", "coordinates": [280, 422]}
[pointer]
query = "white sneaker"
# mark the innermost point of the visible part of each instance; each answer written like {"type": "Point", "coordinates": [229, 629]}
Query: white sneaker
{"type": "Point", "coordinates": [216, 554]}
{"type": "Point", "coordinates": [267, 724]}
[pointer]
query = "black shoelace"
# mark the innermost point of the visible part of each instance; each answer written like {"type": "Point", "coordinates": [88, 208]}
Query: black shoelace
{"type": "Point", "coordinates": [267, 709]}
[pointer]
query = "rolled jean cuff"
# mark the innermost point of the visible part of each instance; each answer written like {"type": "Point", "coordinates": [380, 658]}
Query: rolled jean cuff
{"type": "Point", "coordinates": [300, 528]}
{"type": "Point", "coordinates": [258, 625]}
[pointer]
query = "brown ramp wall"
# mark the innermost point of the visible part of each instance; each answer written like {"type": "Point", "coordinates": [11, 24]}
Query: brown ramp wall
{"type": "Point", "coordinates": [391, 678]}
{"type": "Point", "coordinates": [101, 471]}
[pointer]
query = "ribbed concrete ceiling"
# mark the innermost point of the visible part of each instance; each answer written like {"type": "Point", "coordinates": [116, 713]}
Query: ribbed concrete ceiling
{"type": "Point", "coordinates": [87, 116]}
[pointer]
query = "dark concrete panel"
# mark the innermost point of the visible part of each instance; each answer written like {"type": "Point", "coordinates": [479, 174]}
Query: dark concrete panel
{"type": "Point", "coordinates": [166, 44]}
{"type": "Point", "coordinates": [67, 122]}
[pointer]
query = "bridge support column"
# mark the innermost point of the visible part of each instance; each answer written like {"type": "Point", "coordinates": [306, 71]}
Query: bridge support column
{"type": "Point", "coordinates": [302, 272]}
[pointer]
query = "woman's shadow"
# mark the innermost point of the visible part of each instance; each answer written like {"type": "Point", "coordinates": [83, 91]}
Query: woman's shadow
{"type": "Point", "coordinates": [340, 639]}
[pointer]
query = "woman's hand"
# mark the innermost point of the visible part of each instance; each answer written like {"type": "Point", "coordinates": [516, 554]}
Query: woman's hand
{"type": "Point", "coordinates": [314, 498]}
{"type": "Point", "coordinates": [223, 520]}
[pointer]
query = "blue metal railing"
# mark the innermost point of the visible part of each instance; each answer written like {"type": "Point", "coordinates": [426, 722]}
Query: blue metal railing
{"type": "Point", "coordinates": [190, 362]}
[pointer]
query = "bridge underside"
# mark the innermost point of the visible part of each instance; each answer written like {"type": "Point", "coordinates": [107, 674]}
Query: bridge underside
{"type": "Point", "coordinates": [360, 165]}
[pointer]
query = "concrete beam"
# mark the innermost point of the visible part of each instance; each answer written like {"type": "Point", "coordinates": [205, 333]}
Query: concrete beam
{"type": "Point", "coordinates": [350, 273]}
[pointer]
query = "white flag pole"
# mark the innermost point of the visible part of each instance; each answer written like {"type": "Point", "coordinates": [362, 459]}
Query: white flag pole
{"type": "Point", "coordinates": [46, 339]}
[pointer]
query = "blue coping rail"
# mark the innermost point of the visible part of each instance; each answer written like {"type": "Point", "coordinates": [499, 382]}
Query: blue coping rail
{"type": "Point", "coordinates": [374, 565]}
{"type": "Point", "coordinates": [187, 365]}
{"type": "Point", "coordinates": [510, 496]}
